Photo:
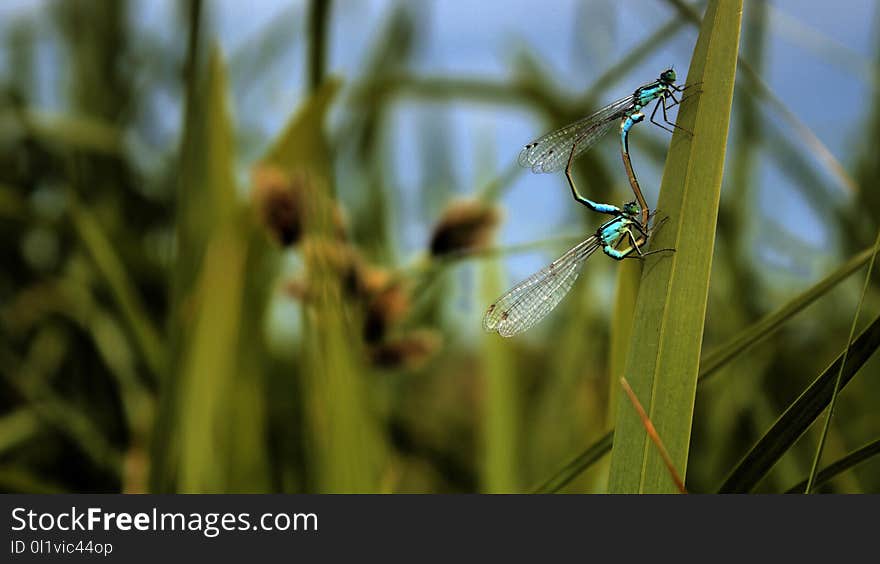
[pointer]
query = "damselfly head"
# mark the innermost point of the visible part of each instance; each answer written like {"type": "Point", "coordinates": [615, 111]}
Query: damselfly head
{"type": "Point", "coordinates": [668, 76]}
{"type": "Point", "coordinates": [631, 208]}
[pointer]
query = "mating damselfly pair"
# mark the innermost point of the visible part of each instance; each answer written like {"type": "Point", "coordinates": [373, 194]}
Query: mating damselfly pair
{"type": "Point", "coordinates": [532, 299]}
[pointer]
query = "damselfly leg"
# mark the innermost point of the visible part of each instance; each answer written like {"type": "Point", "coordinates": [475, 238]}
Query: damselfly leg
{"type": "Point", "coordinates": [684, 87]}
{"type": "Point", "coordinates": [638, 247]}
{"type": "Point", "coordinates": [662, 103]}
{"type": "Point", "coordinates": [675, 102]}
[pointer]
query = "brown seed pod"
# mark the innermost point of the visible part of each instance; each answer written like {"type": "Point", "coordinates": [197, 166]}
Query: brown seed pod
{"type": "Point", "coordinates": [465, 226]}
{"type": "Point", "coordinates": [279, 203]}
{"type": "Point", "coordinates": [286, 202]}
{"type": "Point", "coordinates": [408, 352]}
{"type": "Point", "coordinates": [384, 309]}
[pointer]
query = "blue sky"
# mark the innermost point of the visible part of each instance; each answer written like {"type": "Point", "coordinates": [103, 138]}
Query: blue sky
{"type": "Point", "coordinates": [575, 41]}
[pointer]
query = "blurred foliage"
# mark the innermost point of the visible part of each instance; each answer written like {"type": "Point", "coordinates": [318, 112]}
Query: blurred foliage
{"type": "Point", "coordinates": [200, 308]}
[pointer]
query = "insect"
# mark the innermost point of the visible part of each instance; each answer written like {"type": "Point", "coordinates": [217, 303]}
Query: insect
{"type": "Point", "coordinates": [558, 149]}
{"type": "Point", "coordinates": [531, 300]}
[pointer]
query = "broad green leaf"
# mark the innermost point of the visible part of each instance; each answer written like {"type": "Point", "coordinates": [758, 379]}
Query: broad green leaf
{"type": "Point", "coordinates": [206, 194]}
{"type": "Point", "coordinates": [663, 363]}
{"type": "Point", "coordinates": [209, 369]}
{"type": "Point", "coordinates": [213, 427]}
{"type": "Point", "coordinates": [302, 144]}
{"type": "Point", "coordinates": [621, 328]}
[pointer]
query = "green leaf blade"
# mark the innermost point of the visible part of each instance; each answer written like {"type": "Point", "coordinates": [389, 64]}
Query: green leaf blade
{"type": "Point", "coordinates": [663, 364]}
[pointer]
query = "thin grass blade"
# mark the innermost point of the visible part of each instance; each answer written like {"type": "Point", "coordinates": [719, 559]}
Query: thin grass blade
{"type": "Point", "coordinates": [834, 469]}
{"type": "Point", "coordinates": [800, 415]}
{"type": "Point", "coordinates": [768, 324]}
{"type": "Point", "coordinates": [577, 465]}
{"type": "Point", "coordinates": [852, 332]}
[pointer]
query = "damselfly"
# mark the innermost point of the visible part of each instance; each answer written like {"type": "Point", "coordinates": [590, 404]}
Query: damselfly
{"type": "Point", "coordinates": [532, 299]}
{"type": "Point", "coordinates": [558, 149]}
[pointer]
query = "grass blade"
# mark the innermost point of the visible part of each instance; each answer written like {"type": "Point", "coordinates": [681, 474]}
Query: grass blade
{"type": "Point", "coordinates": [670, 310]}
{"type": "Point", "coordinates": [15, 480]}
{"type": "Point", "coordinates": [800, 415]}
{"type": "Point", "coordinates": [210, 382]}
{"type": "Point", "coordinates": [626, 293]}
{"type": "Point", "coordinates": [577, 465]}
{"type": "Point", "coordinates": [209, 368]}
{"type": "Point", "coordinates": [768, 324]}
{"type": "Point", "coordinates": [851, 460]}
{"type": "Point", "coordinates": [108, 263]}
{"type": "Point", "coordinates": [748, 337]}
{"type": "Point", "coordinates": [762, 90]}
{"type": "Point", "coordinates": [501, 418]}
{"type": "Point", "coordinates": [652, 433]}
{"type": "Point", "coordinates": [852, 331]}
{"type": "Point", "coordinates": [88, 134]}
{"type": "Point", "coordinates": [17, 427]}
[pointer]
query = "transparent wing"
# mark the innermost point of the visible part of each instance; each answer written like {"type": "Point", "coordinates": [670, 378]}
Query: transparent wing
{"type": "Point", "coordinates": [536, 296]}
{"type": "Point", "coordinates": [550, 153]}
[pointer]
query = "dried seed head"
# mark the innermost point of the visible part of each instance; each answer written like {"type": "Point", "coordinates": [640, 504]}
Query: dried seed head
{"type": "Point", "coordinates": [279, 202]}
{"type": "Point", "coordinates": [408, 352]}
{"type": "Point", "coordinates": [373, 279]}
{"type": "Point", "coordinates": [465, 225]}
{"type": "Point", "coordinates": [335, 258]}
{"type": "Point", "coordinates": [382, 300]}
{"type": "Point", "coordinates": [285, 202]}
{"type": "Point", "coordinates": [384, 308]}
